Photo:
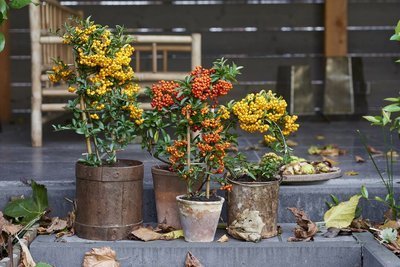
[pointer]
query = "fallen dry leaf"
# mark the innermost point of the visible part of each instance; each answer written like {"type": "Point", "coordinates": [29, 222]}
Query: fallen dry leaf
{"type": "Point", "coordinates": [12, 229]}
{"type": "Point", "coordinates": [145, 234]}
{"type": "Point", "coordinates": [291, 143]}
{"type": "Point", "coordinates": [331, 232]}
{"type": "Point", "coordinates": [390, 224]}
{"type": "Point", "coordinates": [247, 226]}
{"type": "Point", "coordinates": [192, 261]}
{"type": "Point", "coordinates": [331, 150]}
{"type": "Point", "coordinates": [374, 151]}
{"type": "Point", "coordinates": [320, 137]}
{"type": "Point", "coordinates": [100, 257]}
{"type": "Point", "coordinates": [351, 173]}
{"type": "Point", "coordinates": [56, 225]}
{"type": "Point", "coordinates": [223, 239]}
{"type": "Point", "coordinates": [172, 235]}
{"type": "Point", "coordinates": [331, 161]}
{"type": "Point", "coordinates": [305, 229]}
{"type": "Point", "coordinates": [26, 256]}
{"type": "Point", "coordinates": [164, 228]}
{"type": "Point", "coordinates": [360, 223]}
{"type": "Point", "coordinates": [359, 159]}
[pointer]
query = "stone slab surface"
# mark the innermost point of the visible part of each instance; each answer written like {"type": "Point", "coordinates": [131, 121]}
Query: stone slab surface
{"type": "Point", "coordinates": [375, 254]}
{"type": "Point", "coordinates": [341, 251]}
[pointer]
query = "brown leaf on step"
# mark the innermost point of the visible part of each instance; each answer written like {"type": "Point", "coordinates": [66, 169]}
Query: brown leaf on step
{"type": "Point", "coordinates": [192, 261]}
{"type": "Point", "coordinates": [7, 227]}
{"type": "Point", "coordinates": [331, 150]}
{"type": "Point", "coordinates": [26, 257]}
{"type": "Point", "coordinates": [331, 232]}
{"type": "Point", "coordinates": [360, 223]}
{"type": "Point", "coordinates": [331, 161]}
{"type": "Point", "coordinates": [100, 257]}
{"type": "Point", "coordinates": [12, 229]}
{"type": "Point", "coordinates": [247, 226]}
{"type": "Point", "coordinates": [164, 228]}
{"type": "Point", "coordinates": [305, 228]}
{"type": "Point", "coordinates": [144, 234]}
{"type": "Point", "coordinates": [359, 159]}
{"type": "Point", "coordinates": [56, 225]}
{"type": "Point", "coordinates": [291, 143]}
{"type": "Point", "coordinates": [374, 151]}
{"type": "Point", "coordinates": [223, 239]}
{"type": "Point", "coordinates": [320, 137]}
{"type": "Point", "coordinates": [351, 173]}
{"type": "Point", "coordinates": [295, 239]}
{"type": "Point", "coordinates": [71, 219]}
{"type": "Point", "coordinates": [390, 224]}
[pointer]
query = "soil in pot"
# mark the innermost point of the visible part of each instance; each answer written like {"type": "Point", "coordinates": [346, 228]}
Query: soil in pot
{"type": "Point", "coordinates": [199, 219]}
{"type": "Point", "coordinates": [109, 200]}
{"type": "Point", "coordinates": [255, 196]}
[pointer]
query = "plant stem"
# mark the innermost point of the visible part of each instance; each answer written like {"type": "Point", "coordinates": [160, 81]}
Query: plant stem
{"type": "Point", "coordinates": [208, 187]}
{"type": "Point", "coordinates": [188, 136]}
{"type": "Point", "coordinates": [84, 118]}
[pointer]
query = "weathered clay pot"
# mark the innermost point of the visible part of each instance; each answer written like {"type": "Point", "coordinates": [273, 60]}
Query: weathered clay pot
{"type": "Point", "coordinates": [199, 219]}
{"type": "Point", "coordinates": [257, 196]}
{"type": "Point", "coordinates": [167, 186]}
{"type": "Point", "coordinates": [109, 200]}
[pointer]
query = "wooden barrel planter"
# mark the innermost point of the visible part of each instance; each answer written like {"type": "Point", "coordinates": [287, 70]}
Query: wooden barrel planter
{"type": "Point", "coordinates": [109, 200]}
{"type": "Point", "coordinates": [257, 196]}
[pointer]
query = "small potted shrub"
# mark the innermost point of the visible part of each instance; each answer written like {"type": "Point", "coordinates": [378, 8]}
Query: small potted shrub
{"type": "Point", "coordinates": [196, 147]}
{"type": "Point", "coordinates": [105, 112]}
{"type": "Point", "coordinates": [254, 186]}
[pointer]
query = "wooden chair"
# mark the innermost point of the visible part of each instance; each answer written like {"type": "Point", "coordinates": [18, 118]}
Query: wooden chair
{"type": "Point", "coordinates": [49, 100]}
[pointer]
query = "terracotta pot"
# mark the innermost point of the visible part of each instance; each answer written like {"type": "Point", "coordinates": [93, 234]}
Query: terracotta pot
{"type": "Point", "coordinates": [257, 196]}
{"type": "Point", "coordinates": [199, 219]}
{"type": "Point", "coordinates": [109, 200]}
{"type": "Point", "coordinates": [167, 186]}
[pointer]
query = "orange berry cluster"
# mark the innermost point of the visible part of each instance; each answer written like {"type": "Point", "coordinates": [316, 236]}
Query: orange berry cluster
{"type": "Point", "coordinates": [164, 94]}
{"type": "Point", "coordinates": [203, 88]}
{"type": "Point", "coordinates": [201, 83]}
{"type": "Point", "coordinates": [177, 151]}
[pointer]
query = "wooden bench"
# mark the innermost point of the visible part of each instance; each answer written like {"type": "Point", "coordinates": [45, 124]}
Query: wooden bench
{"type": "Point", "coordinates": [49, 100]}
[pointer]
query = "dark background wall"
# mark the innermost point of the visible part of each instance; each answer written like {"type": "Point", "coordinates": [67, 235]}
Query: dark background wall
{"type": "Point", "coordinates": [260, 35]}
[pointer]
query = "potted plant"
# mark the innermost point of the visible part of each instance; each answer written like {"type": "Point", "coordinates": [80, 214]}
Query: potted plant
{"type": "Point", "coordinates": [105, 111]}
{"type": "Point", "coordinates": [196, 146]}
{"type": "Point", "coordinates": [255, 186]}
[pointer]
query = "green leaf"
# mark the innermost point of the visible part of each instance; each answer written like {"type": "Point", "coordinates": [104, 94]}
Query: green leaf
{"type": "Point", "coordinates": [42, 264]}
{"type": "Point", "coordinates": [334, 199]}
{"type": "Point", "coordinates": [3, 10]}
{"type": "Point", "coordinates": [392, 108]}
{"type": "Point", "coordinates": [392, 99]}
{"type": "Point", "coordinates": [379, 199]}
{"type": "Point", "coordinates": [373, 119]}
{"type": "Point", "coordinates": [17, 4]}
{"type": "Point", "coordinates": [364, 191]}
{"type": "Point", "coordinates": [2, 41]}
{"type": "Point", "coordinates": [342, 215]}
{"type": "Point", "coordinates": [30, 208]}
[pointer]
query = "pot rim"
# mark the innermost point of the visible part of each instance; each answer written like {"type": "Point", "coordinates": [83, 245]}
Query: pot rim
{"type": "Point", "coordinates": [156, 169]}
{"type": "Point", "coordinates": [254, 184]}
{"type": "Point", "coordinates": [137, 163]}
{"type": "Point", "coordinates": [221, 201]}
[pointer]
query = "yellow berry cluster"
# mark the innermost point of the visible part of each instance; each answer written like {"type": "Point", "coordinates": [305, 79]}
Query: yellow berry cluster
{"type": "Point", "coordinates": [224, 112]}
{"type": "Point", "coordinates": [264, 112]}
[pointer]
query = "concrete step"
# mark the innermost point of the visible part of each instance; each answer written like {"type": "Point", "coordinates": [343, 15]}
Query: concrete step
{"type": "Point", "coordinates": [341, 251]}
{"type": "Point", "coordinates": [310, 197]}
